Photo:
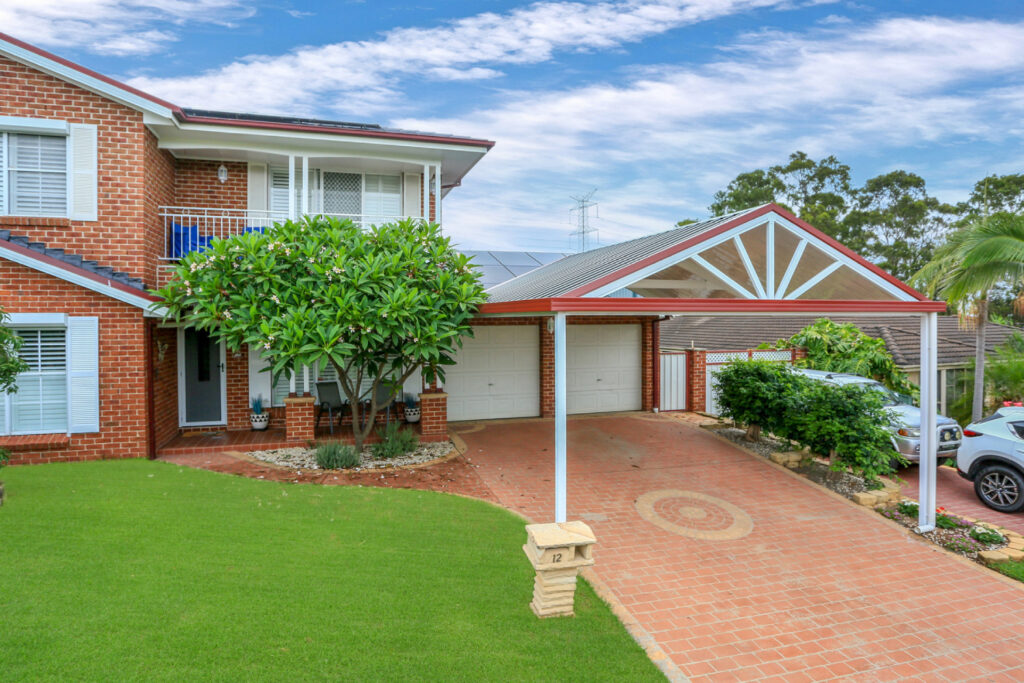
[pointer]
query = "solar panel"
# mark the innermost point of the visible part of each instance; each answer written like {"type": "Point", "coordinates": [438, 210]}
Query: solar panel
{"type": "Point", "coordinates": [482, 258]}
{"type": "Point", "coordinates": [515, 258]}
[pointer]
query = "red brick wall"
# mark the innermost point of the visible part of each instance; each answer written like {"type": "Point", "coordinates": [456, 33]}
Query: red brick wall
{"type": "Point", "coordinates": [237, 373]}
{"type": "Point", "coordinates": [159, 182]}
{"type": "Point", "coordinates": [165, 384]}
{"type": "Point", "coordinates": [116, 239]}
{"type": "Point", "coordinates": [196, 184]}
{"type": "Point", "coordinates": [122, 368]}
{"type": "Point", "coordinates": [696, 372]}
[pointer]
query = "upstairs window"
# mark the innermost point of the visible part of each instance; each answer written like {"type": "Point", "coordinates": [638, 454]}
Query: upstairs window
{"type": "Point", "coordinates": [350, 195]}
{"type": "Point", "coordinates": [34, 181]}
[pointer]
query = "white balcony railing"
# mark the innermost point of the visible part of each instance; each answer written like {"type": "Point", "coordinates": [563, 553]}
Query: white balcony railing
{"type": "Point", "coordinates": [192, 229]}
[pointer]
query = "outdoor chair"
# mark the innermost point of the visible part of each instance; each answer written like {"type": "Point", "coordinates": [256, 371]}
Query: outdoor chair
{"type": "Point", "coordinates": [329, 401]}
{"type": "Point", "coordinates": [384, 393]}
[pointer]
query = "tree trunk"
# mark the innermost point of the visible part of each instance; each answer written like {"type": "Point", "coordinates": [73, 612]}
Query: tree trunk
{"type": "Point", "coordinates": [978, 407]}
{"type": "Point", "coordinates": [753, 432]}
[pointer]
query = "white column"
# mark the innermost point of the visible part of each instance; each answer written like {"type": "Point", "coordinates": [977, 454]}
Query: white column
{"type": "Point", "coordinates": [928, 456]}
{"type": "Point", "coordinates": [291, 382]}
{"type": "Point", "coordinates": [305, 185]}
{"type": "Point", "coordinates": [291, 187]}
{"type": "Point", "coordinates": [437, 193]}
{"type": "Point", "coordinates": [560, 421]}
{"type": "Point", "coordinates": [305, 380]}
{"type": "Point", "coordinates": [426, 192]}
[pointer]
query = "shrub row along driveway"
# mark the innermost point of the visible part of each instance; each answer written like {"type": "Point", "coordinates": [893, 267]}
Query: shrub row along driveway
{"type": "Point", "coordinates": [741, 571]}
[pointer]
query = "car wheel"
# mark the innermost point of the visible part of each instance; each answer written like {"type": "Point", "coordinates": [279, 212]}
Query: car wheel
{"type": "Point", "coordinates": [1000, 487]}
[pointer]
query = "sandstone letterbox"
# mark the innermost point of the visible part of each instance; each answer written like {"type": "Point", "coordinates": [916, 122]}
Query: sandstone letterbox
{"type": "Point", "coordinates": [557, 551]}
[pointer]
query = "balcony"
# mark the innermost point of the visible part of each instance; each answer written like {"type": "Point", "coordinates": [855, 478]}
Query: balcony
{"type": "Point", "coordinates": [189, 229]}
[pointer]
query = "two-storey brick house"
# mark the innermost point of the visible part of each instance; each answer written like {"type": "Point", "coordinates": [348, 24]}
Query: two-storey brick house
{"type": "Point", "coordinates": [102, 187]}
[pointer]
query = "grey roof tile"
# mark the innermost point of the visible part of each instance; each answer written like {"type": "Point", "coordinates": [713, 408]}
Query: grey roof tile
{"type": "Point", "coordinates": [74, 260]}
{"type": "Point", "coordinates": [901, 334]}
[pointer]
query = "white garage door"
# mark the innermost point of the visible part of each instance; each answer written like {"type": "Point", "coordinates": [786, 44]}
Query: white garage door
{"type": "Point", "coordinates": [497, 374]}
{"type": "Point", "coordinates": [603, 368]}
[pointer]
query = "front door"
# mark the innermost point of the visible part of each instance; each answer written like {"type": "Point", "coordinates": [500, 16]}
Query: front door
{"type": "Point", "coordinates": [201, 366]}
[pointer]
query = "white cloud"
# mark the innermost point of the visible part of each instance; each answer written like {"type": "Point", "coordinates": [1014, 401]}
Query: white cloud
{"type": "Point", "coordinates": [660, 145]}
{"type": "Point", "coordinates": [116, 27]}
{"type": "Point", "coordinates": [364, 77]}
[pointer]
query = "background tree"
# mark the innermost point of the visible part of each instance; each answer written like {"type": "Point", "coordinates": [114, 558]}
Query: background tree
{"type": "Point", "coordinates": [981, 256]}
{"type": "Point", "coordinates": [843, 347]}
{"type": "Point", "coordinates": [898, 222]}
{"type": "Point", "coordinates": [377, 304]}
{"type": "Point", "coordinates": [995, 194]}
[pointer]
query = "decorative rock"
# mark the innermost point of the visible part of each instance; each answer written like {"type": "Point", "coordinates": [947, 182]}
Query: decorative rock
{"type": "Point", "coordinates": [881, 497]}
{"type": "Point", "coordinates": [993, 556]}
{"type": "Point", "coordinates": [864, 498]}
{"type": "Point", "coordinates": [1014, 555]}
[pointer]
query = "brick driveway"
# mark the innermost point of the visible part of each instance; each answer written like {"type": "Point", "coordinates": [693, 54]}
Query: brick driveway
{"type": "Point", "coordinates": [956, 494]}
{"type": "Point", "coordinates": [817, 589]}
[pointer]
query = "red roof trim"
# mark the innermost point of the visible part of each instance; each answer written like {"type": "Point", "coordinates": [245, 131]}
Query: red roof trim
{"type": "Point", "coordinates": [637, 305]}
{"type": "Point", "coordinates": [338, 130]}
{"type": "Point", "coordinates": [739, 220]}
{"type": "Point", "coordinates": [88, 72]}
{"type": "Point", "coordinates": [82, 272]}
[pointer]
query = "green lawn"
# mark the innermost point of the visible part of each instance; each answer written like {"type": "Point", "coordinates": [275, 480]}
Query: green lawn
{"type": "Point", "coordinates": [144, 570]}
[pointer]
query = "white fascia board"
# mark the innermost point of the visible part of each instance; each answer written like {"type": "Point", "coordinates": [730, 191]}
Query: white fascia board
{"type": "Point", "coordinates": [76, 278]}
{"type": "Point", "coordinates": [71, 75]}
{"type": "Point", "coordinates": [779, 221]}
{"type": "Point", "coordinates": [19, 124]}
{"type": "Point", "coordinates": [340, 136]}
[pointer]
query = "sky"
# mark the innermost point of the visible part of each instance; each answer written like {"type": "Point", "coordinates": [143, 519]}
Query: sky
{"type": "Point", "coordinates": [655, 104]}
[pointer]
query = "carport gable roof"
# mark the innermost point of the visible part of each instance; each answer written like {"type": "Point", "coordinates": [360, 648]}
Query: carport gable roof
{"type": "Point", "coordinates": [760, 259]}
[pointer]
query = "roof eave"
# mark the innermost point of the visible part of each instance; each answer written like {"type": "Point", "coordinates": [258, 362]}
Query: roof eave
{"type": "Point", "coordinates": [656, 306]}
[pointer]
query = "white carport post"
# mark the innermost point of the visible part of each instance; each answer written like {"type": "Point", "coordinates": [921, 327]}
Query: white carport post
{"type": "Point", "coordinates": [560, 422]}
{"type": "Point", "coordinates": [292, 208]}
{"type": "Point", "coordinates": [927, 459]}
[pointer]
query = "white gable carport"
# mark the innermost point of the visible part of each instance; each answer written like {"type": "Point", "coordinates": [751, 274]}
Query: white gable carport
{"type": "Point", "coordinates": [753, 262]}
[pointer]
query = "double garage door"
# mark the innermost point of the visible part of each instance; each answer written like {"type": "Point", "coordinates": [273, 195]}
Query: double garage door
{"type": "Point", "coordinates": [497, 372]}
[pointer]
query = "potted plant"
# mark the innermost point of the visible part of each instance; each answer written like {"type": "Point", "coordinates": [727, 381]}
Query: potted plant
{"type": "Point", "coordinates": [259, 420]}
{"type": "Point", "coordinates": [4, 458]}
{"type": "Point", "coordinates": [412, 408]}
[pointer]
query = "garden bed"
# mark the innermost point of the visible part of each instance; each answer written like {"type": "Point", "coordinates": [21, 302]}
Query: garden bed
{"type": "Point", "coordinates": [303, 458]}
{"type": "Point", "coordinates": [957, 534]}
{"type": "Point", "coordinates": [816, 469]}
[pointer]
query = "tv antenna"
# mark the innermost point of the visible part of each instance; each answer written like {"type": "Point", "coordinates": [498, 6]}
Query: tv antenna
{"type": "Point", "coordinates": [583, 228]}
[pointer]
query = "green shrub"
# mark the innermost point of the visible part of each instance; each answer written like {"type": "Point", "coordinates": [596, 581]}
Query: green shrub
{"type": "Point", "coordinates": [760, 394]}
{"type": "Point", "coordinates": [394, 441]}
{"type": "Point", "coordinates": [336, 456]}
{"type": "Point", "coordinates": [986, 536]}
{"type": "Point", "coordinates": [5, 457]}
{"type": "Point", "coordinates": [908, 509]}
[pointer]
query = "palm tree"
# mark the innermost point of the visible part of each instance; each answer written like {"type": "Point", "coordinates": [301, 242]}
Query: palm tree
{"type": "Point", "coordinates": [964, 270]}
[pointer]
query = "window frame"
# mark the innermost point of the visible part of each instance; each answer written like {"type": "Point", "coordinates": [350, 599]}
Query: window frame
{"type": "Point", "coordinates": [317, 186]}
{"type": "Point", "coordinates": [7, 423]}
{"type": "Point", "coordinates": [7, 171]}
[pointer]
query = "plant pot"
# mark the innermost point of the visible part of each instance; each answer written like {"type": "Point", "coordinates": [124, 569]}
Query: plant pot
{"type": "Point", "coordinates": [259, 422]}
{"type": "Point", "coordinates": [412, 414]}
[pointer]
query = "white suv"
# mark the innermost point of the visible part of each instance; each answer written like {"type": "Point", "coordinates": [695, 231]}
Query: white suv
{"type": "Point", "coordinates": [993, 458]}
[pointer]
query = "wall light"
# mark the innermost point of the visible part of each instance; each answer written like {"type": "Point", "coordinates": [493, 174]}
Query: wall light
{"type": "Point", "coordinates": [222, 174]}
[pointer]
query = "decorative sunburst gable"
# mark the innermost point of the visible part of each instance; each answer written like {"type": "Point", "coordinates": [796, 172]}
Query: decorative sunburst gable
{"type": "Point", "coordinates": [769, 257]}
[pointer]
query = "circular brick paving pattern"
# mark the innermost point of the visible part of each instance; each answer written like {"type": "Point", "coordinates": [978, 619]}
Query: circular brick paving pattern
{"type": "Point", "coordinates": [694, 515]}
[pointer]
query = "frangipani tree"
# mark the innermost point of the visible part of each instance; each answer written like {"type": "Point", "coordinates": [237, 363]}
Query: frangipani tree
{"type": "Point", "coordinates": [377, 304]}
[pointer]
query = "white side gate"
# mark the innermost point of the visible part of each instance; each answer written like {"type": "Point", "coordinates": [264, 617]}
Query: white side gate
{"type": "Point", "coordinates": [714, 362]}
{"type": "Point", "coordinates": [673, 381]}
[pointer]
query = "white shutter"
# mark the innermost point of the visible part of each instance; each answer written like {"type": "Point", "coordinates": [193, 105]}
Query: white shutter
{"type": "Point", "coordinates": [84, 157]}
{"type": "Point", "coordinates": [257, 188]}
{"type": "Point", "coordinates": [260, 383]}
{"type": "Point", "coordinates": [279, 191]}
{"type": "Point", "coordinates": [413, 190]}
{"type": "Point", "coordinates": [3, 186]}
{"type": "Point", "coordinates": [383, 195]}
{"type": "Point", "coordinates": [83, 375]}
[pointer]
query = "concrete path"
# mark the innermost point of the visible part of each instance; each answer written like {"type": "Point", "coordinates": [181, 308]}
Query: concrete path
{"type": "Point", "coordinates": [740, 570]}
